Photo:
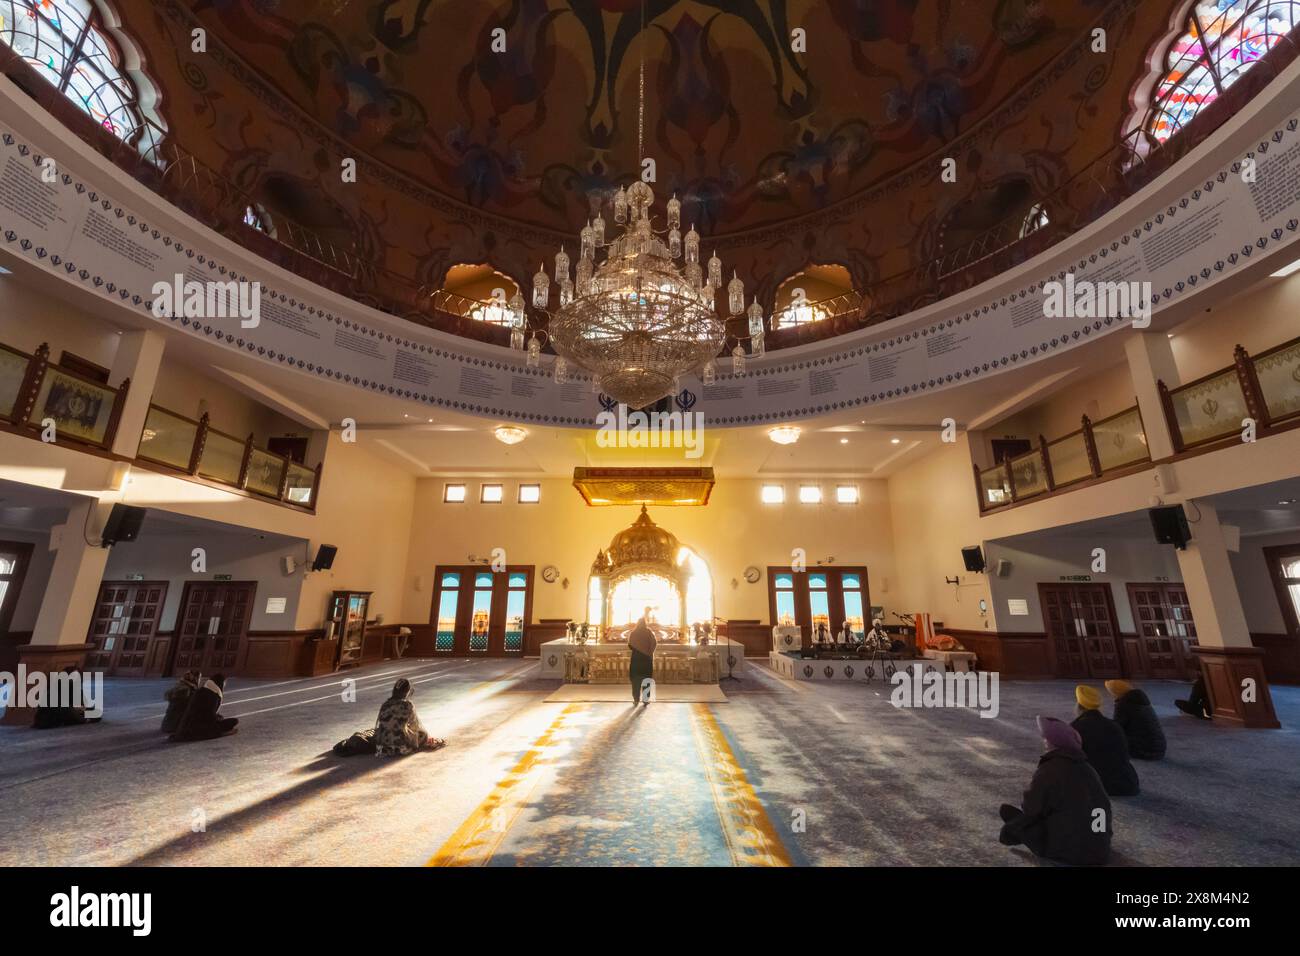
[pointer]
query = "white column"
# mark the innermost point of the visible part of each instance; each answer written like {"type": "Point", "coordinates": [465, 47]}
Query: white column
{"type": "Point", "coordinates": [139, 355]}
{"type": "Point", "coordinates": [1150, 360]}
{"type": "Point", "coordinates": [1207, 576]}
{"type": "Point", "coordinates": [73, 587]}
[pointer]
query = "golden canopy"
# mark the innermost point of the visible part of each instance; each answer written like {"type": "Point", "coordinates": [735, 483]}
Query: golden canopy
{"type": "Point", "coordinates": [643, 547]}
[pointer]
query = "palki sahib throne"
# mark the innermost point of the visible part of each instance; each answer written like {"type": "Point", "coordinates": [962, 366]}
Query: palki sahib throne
{"type": "Point", "coordinates": [645, 566]}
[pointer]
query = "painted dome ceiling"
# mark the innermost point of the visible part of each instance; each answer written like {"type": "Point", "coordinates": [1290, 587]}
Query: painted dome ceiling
{"type": "Point", "coordinates": [466, 155]}
{"type": "Point", "coordinates": [747, 132]}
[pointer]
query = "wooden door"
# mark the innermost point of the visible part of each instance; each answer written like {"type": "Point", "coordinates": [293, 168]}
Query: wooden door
{"type": "Point", "coordinates": [819, 595]}
{"type": "Point", "coordinates": [478, 612]}
{"type": "Point", "coordinates": [1080, 622]}
{"type": "Point", "coordinates": [124, 625]}
{"type": "Point", "coordinates": [212, 625]}
{"type": "Point", "coordinates": [1163, 620]}
{"type": "Point", "coordinates": [1062, 630]}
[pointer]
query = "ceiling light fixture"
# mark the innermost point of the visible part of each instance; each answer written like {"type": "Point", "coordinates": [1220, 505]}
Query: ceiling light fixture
{"type": "Point", "coordinates": [784, 434]}
{"type": "Point", "coordinates": [895, 441]}
{"type": "Point", "coordinates": [510, 434]}
{"type": "Point", "coordinates": [637, 321]}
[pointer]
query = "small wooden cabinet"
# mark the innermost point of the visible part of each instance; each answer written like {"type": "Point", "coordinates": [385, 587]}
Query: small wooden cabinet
{"type": "Point", "coordinates": [346, 622]}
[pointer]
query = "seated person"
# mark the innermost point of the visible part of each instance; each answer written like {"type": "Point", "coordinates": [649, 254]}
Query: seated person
{"type": "Point", "coordinates": [397, 730]}
{"type": "Point", "coordinates": [1058, 818]}
{"type": "Point", "coordinates": [1137, 718]}
{"type": "Point", "coordinates": [878, 639]}
{"type": "Point", "coordinates": [178, 699]}
{"type": "Point", "coordinates": [48, 716]}
{"type": "Point", "coordinates": [1104, 744]}
{"type": "Point", "coordinates": [1198, 705]}
{"type": "Point", "coordinates": [202, 720]}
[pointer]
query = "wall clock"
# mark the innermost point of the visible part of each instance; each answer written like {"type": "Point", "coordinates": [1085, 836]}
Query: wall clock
{"type": "Point", "coordinates": [752, 574]}
{"type": "Point", "coordinates": [550, 573]}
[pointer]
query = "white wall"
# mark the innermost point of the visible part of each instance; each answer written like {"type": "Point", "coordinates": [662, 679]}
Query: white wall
{"type": "Point", "coordinates": [1046, 559]}
{"type": "Point", "coordinates": [244, 555]}
{"type": "Point", "coordinates": [734, 530]}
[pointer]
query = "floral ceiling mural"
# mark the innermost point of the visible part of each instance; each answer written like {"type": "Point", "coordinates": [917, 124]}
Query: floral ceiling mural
{"type": "Point", "coordinates": [482, 130]}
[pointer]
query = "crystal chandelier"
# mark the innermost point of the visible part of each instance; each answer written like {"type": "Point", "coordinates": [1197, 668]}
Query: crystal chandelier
{"type": "Point", "coordinates": [635, 319]}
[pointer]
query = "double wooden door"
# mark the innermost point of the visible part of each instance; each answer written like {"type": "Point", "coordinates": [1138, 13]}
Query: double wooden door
{"type": "Point", "coordinates": [819, 596]}
{"type": "Point", "coordinates": [1080, 622]}
{"type": "Point", "coordinates": [124, 626]}
{"type": "Point", "coordinates": [1162, 616]}
{"type": "Point", "coordinates": [478, 611]}
{"type": "Point", "coordinates": [212, 625]}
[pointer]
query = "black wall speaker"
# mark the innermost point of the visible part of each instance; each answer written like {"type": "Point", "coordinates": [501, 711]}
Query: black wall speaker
{"type": "Point", "coordinates": [123, 525]}
{"type": "Point", "coordinates": [974, 558]}
{"type": "Point", "coordinates": [324, 558]}
{"type": "Point", "coordinates": [1170, 526]}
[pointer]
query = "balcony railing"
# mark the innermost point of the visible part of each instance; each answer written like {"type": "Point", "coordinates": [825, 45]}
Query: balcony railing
{"type": "Point", "coordinates": [46, 401]}
{"type": "Point", "coordinates": [1258, 392]}
{"type": "Point", "coordinates": [59, 404]}
{"type": "Point", "coordinates": [1255, 393]}
{"type": "Point", "coordinates": [1096, 449]}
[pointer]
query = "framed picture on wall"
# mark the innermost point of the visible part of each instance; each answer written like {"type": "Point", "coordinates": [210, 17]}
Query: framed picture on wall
{"type": "Point", "coordinates": [79, 409]}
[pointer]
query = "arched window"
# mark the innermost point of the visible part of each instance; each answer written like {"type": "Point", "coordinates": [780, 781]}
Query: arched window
{"type": "Point", "coordinates": [479, 292]}
{"type": "Point", "coordinates": [1220, 40]}
{"type": "Point", "coordinates": [814, 294]}
{"type": "Point", "coordinates": [76, 46]}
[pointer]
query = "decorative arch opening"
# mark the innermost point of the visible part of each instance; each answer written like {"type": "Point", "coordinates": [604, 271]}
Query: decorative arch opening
{"type": "Point", "coordinates": [79, 47]}
{"type": "Point", "coordinates": [479, 292]}
{"type": "Point", "coordinates": [811, 295]}
{"type": "Point", "coordinates": [1213, 44]}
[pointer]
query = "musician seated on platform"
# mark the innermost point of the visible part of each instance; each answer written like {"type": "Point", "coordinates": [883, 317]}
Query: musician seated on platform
{"type": "Point", "coordinates": [879, 641]}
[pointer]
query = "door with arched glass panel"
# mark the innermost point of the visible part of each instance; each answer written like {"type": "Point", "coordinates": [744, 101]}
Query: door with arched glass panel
{"type": "Point", "coordinates": [833, 597]}
{"type": "Point", "coordinates": [480, 612]}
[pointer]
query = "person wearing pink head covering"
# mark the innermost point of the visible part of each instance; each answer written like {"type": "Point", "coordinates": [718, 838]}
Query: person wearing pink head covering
{"type": "Point", "coordinates": [1066, 815]}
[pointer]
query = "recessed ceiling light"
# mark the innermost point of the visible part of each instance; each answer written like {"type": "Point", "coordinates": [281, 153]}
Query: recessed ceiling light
{"type": "Point", "coordinates": [784, 434]}
{"type": "Point", "coordinates": [510, 434]}
{"type": "Point", "coordinates": [895, 441]}
{"type": "Point", "coordinates": [844, 441]}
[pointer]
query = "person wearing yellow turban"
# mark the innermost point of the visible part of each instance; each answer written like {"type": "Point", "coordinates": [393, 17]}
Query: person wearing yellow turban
{"type": "Point", "coordinates": [1104, 744]}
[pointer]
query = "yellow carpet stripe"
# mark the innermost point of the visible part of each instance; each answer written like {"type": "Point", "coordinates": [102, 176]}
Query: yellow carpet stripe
{"type": "Point", "coordinates": [478, 837]}
{"type": "Point", "coordinates": [751, 837]}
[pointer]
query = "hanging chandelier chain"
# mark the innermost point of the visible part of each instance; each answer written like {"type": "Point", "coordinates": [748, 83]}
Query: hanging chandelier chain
{"type": "Point", "coordinates": [647, 313]}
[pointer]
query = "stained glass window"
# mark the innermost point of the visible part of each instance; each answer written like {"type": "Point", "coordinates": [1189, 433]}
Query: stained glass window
{"type": "Point", "coordinates": [69, 44]}
{"type": "Point", "coordinates": [1221, 40]}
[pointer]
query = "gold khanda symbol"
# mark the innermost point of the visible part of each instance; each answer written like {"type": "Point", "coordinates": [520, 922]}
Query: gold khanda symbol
{"type": "Point", "coordinates": [1211, 408]}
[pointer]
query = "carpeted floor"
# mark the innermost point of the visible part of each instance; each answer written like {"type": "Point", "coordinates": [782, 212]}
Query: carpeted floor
{"type": "Point", "coordinates": [783, 774]}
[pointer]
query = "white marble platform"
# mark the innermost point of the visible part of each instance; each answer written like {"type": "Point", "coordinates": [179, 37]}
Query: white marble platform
{"type": "Point", "coordinates": [843, 671]}
{"type": "Point", "coordinates": [552, 654]}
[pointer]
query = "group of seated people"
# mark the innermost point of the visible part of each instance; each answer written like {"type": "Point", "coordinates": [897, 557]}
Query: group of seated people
{"type": "Point", "coordinates": [874, 641]}
{"type": "Point", "coordinates": [193, 709]}
{"type": "Point", "coordinates": [1066, 812]}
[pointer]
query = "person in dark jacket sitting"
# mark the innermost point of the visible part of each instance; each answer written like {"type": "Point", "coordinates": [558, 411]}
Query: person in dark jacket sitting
{"type": "Point", "coordinates": [1198, 704]}
{"type": "Point", "coordinates": [1065, 815]}
{"type": "Point", "coordinates": [1104, 744]}
{"type": "Point", "coordinates": [178, 700]}
{"type": "Point", "coordinates": [202, 720]}
{"type": "Point", "coordinates": [1137, 718]}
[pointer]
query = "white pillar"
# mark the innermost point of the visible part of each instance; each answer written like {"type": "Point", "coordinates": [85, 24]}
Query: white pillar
{"type": "Point", "coordinates": [73, 588]}
{"type": "Point", "coordinates": [139, 355]}
{"type": "Point", "coordinates": [1151, 360]}
{"type": "Point", "coordinates": [1211, 587]}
